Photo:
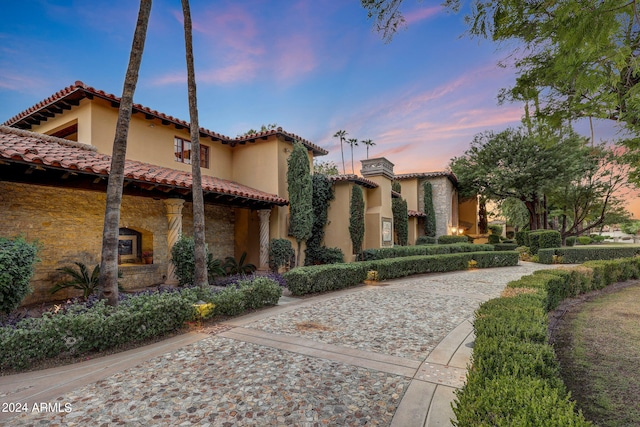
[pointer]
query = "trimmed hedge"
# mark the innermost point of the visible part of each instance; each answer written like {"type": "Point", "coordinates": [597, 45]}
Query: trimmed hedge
{"type": "Point", "coordinates": [426, 240]}
{"type": "Point", "coordinates": [580, 254]}
{"type": "Point", "coordinates": [522, 238]}
{"type": "Point", "coordinates": [505, 246]}
{"type": "Point", "coordinates": [542, 239]}
{"type": "Point", "coordinates": [322, 278]}
{"type": "Point", "coordinates": [404, 251]}
{"type": "Point", "coordinates": [448, 240]}
{"type": "Point", "coordinates": [81, 328]}
{"type": "Point", "coordinates": [514, 378]}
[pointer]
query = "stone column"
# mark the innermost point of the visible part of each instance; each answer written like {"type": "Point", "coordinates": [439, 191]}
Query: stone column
{"type": "Point", "coordinates": [174, 218]}
{"type": "Point", "coordinates": [264, 215]}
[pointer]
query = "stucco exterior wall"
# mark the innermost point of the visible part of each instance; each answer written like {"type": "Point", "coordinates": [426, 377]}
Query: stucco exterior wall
{"type": "Point", "coordinates": [337, 229]}
{"type": "Point", "coordinates": [68, 225]}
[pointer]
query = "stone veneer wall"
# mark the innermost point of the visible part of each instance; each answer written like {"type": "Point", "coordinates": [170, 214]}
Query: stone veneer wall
{"type": "Point", "coordinates": [68, 225]}
{"type": "Point", "coordinates": [442, 190]}
{"type": "Point", "coordinates": [219, 228]}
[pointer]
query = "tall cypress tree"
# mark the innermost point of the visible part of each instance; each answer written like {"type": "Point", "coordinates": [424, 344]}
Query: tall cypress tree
{"type": "Point", "coordinates": [430, 220]}
{"type": "Point", "coordinates": [356, 219]}
{"type": "Point", "coordinates": [300, 196]}
{"type": "Point", "coordinates": [322, 196]}
{"type": "Point", "coordinates": [400, 216]}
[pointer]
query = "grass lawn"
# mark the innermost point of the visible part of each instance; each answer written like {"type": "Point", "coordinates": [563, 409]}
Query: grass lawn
{"type": "Point", "coordinates": [598, 346]}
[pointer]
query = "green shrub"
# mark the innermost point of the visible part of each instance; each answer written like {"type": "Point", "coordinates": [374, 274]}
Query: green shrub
{"type": "Point", "coordinates": [426, 240]}
{"type": "Point", "coordinates": [580, 254]}
{"type": "Point", "coordinates": [542, 239]}
{"type": "Point", "coordinates": [447, 240]}
{"type": "Point", "coordinates": [228, 302]}
{"type": "Point", "coordinates": [494, 239]}
{"type": "Point", "coordinates": [322, 278]}
{"type": "Point", "coordinates": [183, 258]}
{"type": "Point", "coordinates": [259, 292]}
{"type": "Point", "coordinates": [323, 255]}
{"type": "Point", "coordinates": [511, 235]}
{"type": "Point", "coordinates": [495, 259]}
{"type": "Point", "coordinates": [597, 238]}
{"type": "Point", "coordinates": [505, 247]}
{"type": "Point", "coordinates": [522, 238]}
{"type": "Point", "coordinates": [403, 251]}
{"type": "Point", "coordinates": [496, 229]}
{"type": "Point", "coordinates": [100, 327]}
{"type": "Point", "coordinates": [17, 260]}
{"type": "Point", "coordinates": [570, 241]}
{"type": "Point", "coordinates": [506, 401]}
{"type": "Point", "coordinates": [584, 240]}
{"type": "Point", "coordinates": [280, 253]}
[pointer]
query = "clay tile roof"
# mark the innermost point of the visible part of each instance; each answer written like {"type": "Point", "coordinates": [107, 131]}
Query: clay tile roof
{"type": "Point", "coordinates": [413, 213]}
{"type": "Point", "coordinates": [436, 174]}
{"type": "Point", "coordinates": [79, 90]}
{"type": "Point", "coordinates": [318, 151]}
{"type": "Point", "coordinates": [34, 148]}
{"type": "Point", "coordinates": [367, 183]}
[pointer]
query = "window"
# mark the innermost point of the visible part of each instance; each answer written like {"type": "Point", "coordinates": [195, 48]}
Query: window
{"type": "Point", "coordinates": [129, 244]}
{"type": "Point", "coordinates": [182, 152]}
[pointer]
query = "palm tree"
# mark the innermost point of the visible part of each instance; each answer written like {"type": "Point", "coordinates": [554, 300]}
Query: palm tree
{"type": "Point", "coordinates": [200, 273]}
{"type": "Point", "coordinates": [368, 143]}
{"type": "Point", "coordinates": [341, 134]}
{"type": "Point", "coordinates": [108, 282]}
{"type": "Point", "coordinates": [352, 142]}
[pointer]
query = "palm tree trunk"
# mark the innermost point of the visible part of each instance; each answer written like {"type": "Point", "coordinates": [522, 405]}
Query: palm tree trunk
{"type": "Point", "coordinates": [200, 274]}
{"type": "Point", "coordinates": [344, 172]}
{"type": "Point", "coordinates": [108, 283]}
{"type": "Point", "coordinates": [352, 168]}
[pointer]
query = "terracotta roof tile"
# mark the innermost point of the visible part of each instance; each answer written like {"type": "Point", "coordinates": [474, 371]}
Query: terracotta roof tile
{"type": "Point", "coordinates": [28, 147]}
{"type": "Point", "coordinates": [81, 90]}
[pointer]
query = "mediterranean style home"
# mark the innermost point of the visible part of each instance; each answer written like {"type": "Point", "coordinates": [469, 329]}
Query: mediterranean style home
{"type": "Point", "coordinates": [54, 165]}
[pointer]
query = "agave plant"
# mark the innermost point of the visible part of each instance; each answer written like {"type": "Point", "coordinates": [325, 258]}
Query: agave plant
{"type": "Point", "coordinates": [81, 279]}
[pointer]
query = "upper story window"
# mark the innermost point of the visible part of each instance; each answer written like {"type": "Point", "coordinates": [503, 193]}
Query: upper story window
{"type": "Point", "coordinates": [182, 152]}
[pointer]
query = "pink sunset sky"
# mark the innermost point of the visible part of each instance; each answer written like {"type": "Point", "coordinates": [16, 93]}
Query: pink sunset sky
{"type": "Point", "coordinates": [312, 67]}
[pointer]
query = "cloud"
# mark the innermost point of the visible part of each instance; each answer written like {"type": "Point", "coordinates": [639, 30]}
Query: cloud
{"type": "Point", "coordinates": [421, 14]}
{"type": "Point", "coordinates": [235, 46]}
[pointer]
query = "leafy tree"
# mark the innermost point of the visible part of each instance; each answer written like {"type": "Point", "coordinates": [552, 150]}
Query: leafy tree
{"type": "Point", "coordinates": [387, 16]}
{"type": "Point", "coordinates": [429, 210]}
{"type": "Point", "coordinates": [585, 203]}
{"type": "Point", "coordinates": [574, 59]}
{"type": "Point", "coordinates": [300, 196]}
{"type": "Point", "coordinates": [325, 168]}
{"type": "Point", "coordinates": [356, 219]}
{"type": "Point", "coordinates": [514, 212]}
{"type": "Point", "coordinates": [368, 143]}
{"type": "Point", "coordinates": [400, 216]}
{"type": "Point", "coordinates": [108, 282]}
{"type": "Point", "coordinates": [518, 164]}
{"type": "Point", "coordinates": [200, 276]}
{"type": "Point", "coordinates": [341, 135]}
{"type": "Point", "coordinates": [630, 227]}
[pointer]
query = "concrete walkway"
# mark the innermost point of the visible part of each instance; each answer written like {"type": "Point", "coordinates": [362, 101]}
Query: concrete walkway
{"type": "Point", "coordinates": [391, 354]}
